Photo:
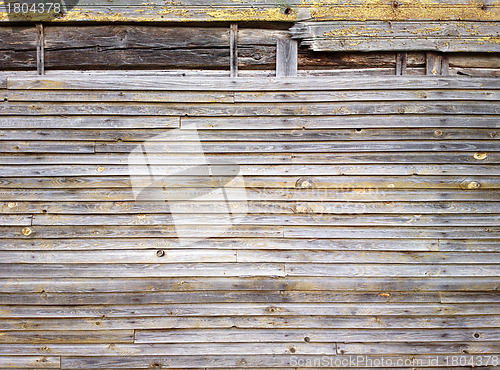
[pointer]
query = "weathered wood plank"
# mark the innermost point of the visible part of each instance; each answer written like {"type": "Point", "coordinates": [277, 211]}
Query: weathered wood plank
{"type": "Point", "coordinates": [334, 122]}
{"type": "Point", "coordinates": [72, 299]}
{"type": "Point", "coordinates": [139, 231]}
{"type": "Point", "coordinates": [162, 83]}
{"type": "Point", "coordinates": [60, 336]}
{"type": "Point", "coordinates": [140, 96]}
{"type": "Point", "coordinates": [25, 362]}
{"type": "Point", "coordinates": [256, 170]}
{"type": "Point", "coordinates": [173, 284]}
{"type": "Point", "coordinates": [483, 348]}
{"type": "Point", "coordinates": [90, 122]}
{"type": "Point", "coordinates": [220, 11]}
{"type": "Point", "coordinates": [122, 256]}
{"type": "Point", "coordinates": [265, 361]}
{"type": "Point", "coordinates": [249, 309]}
{"type": "Point", "coordinates": [393, 232]}
{"type": "Point", "coordinates": [235, 243]}
{"type": "Point", "coordinates": [45, 147]}
{"type": "Point", "coordinates": [256, 135]}
{"type": "Point", "coordinates": [345, 96]}
{"type": "Point", "coordinates": [270, 155]}
{"type": "Point", "coordinates": [142, 270]}
{"type": "Point", "coordinates": [468, 245]}
{"type": "Point", "coordinates": [245, 256]}
{"type": "Point", "coordinates": [194, 349]}
{"type": "Point", "coordinates": [300, 269]}
{"type": "Point", "coordinates": [252, 207]}
{"type": "Point", "coordinates": [399, 36]}
{"type": "Point", "coordinates": [281, 182]}
{"type": "Point", "coordinates": [285, 147]}
{"type": "Point", "coordinates": [312, 325]}
{"type": "Point", "coordinates": [18, 48]}
{"type": "Point", "coordinates": [137, 46]}
{"type": "Point", "coordinates": [246, 269]}
{"type": "Point", "coordinates": [447, 220]}
{"type": "Point", "coordinates": [250, 109]}
{"type": "Point", "coordinates": [318, 335]}
{"type": "Point", "coordinates": [454, 297]}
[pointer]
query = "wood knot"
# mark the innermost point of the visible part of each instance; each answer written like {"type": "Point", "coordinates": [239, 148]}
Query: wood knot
{"type": "Point", "coordinates": [307, 339]}
{"type": "Point", "coordinates": [480, 155]}
{"type": "Point", "coordinates": [26, 231]}
{"type": "Point", "coordinates": [160, 253]}
{"type": "Point", "coordinates": [438, 133]}
{"type": "Point", "coordinates": [304, 183]}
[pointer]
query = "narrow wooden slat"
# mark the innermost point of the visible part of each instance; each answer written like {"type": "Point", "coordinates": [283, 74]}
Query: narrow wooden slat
{"type": "Point", "coordinates": [231, 110]}
{"type": "Point", "coordinates": [89, 122]}
{"type": "Point", "coordinates": [139, 231]}
{"type": "Point", "coordinates": [27, 362]}
{"type": "Point", "coordinates": [241, 207]}
{"type": "Point", "coordinates": [267, 296]}
{"type": "Point", "coordinates": [17, 338]}
{"type": "Point", "coordinates": [172, 284]}
{"type": "Point", "coordinates": [250, 309]}
{"type": "Point", "coordinates": [309, 325]}
{"type": "Point", "coordinates": [144, 270]}
{"type": "Point", "coordinates": [335, 122]}
{"type": "Point", "coordinates": [281, 182]}
{"type": "Point", "coordinates": [247, 244]}
{"type": "Point", "coordinates": [271, 155]}
{"type": "Point", "coordinates": [133, 350]}
{"type": "Point", "coordinates": [246, 269]}
{"type": "Point", "coordinates": [420, 220]}
{"type": "Point", "coordinates": [256, 170]}
{"type": "Point", "coordinates": [45, 147]}
{"type": "Point", "coordinates": [318, 335]}
{"type": "Point", "coordinates": [100, 82]}
{"type": "Point", "coordinates": [394, 232]}
{"type": "Point", "coordinates": [483, 348]}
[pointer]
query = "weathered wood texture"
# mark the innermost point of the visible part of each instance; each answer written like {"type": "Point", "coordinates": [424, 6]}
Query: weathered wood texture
{"type": "Point", "coordinates": [189, 49]}
{"type": "Point", "coordinates": [364, 221]}
{"type": "Point", "coordinates": [268, 10]}
{"type": "Point", "coordinates": [451, 36]}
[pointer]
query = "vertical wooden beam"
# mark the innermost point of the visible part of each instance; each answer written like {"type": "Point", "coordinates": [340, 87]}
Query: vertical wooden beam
{"type": "Point", "coordinates": [40, 61]}
{"type": "Point", "coordinates": [286, 58]}
{"type": "Point", "coordinates": [436, 64]}
{"type": "Point", "coordinates": [401, 61]}
{"type": "Point", "coordinates": [233, 49]}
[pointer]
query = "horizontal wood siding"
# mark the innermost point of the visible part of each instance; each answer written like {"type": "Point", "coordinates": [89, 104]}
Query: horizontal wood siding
{"type": "Point", "coordinates": [369, 226]}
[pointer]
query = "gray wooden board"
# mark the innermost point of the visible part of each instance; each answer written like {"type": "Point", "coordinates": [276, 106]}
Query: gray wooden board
{"type": "Point", "coordinates": [103, 82]}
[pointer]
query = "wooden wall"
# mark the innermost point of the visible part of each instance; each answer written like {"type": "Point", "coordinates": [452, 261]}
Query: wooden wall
{"type": "Point", "coordinates": [372, 226]}
{"type": "Point", "coordinates": [367, 231]}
